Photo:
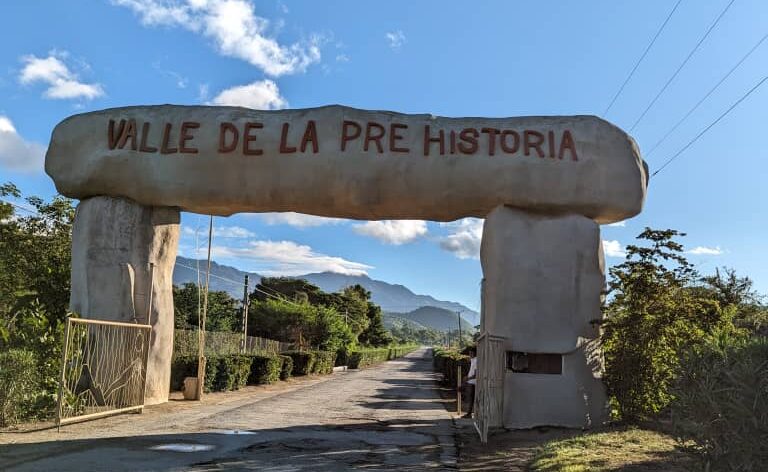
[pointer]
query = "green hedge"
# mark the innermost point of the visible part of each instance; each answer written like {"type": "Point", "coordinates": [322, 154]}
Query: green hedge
{"type": "Point", "coordinates": [361, 358]}
{"type": "Point", "coordinates": [286, 369]}
{"type": "Point", "coordinates": [324, 362]}
{"type": "Point", "coordinates": [186, 366]}
{"type": "Point", "coordinates": [303, 362]}
{"type": "Point", "coordinates": [721, 403]}
{"type": "Point", "coordinates": [18, 384]}
{"type": "Point", "coordinates": [446, 362]}
{"type": "Point", "coordinates": [265, 370]}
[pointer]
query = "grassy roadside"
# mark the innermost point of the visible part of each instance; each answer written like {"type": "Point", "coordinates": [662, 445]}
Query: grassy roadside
{"type": "Point", "coordinates": [636, 450]}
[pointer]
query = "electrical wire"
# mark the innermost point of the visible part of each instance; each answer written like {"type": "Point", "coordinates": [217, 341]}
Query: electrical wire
{"type": "Point", "coordinates": [645, 53]}
{"type": "Point", "coordinates": [711, 91]}
{"type": "Point", "coordinates": [682, 65]}
{"type": "Point", "coordinates": [696, 138]}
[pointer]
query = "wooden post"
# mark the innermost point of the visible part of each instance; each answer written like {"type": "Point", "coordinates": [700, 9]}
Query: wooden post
{"type": "Point", "coordinates": [62, 377]}
{"type": "Point", "coordinates": [458, 389]}
{"type": "Point", "coordinates": [246, 301]}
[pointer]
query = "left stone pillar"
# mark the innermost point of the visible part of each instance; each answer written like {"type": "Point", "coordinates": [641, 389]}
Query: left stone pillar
{"type": "Point", "coordinates": [119, 248]}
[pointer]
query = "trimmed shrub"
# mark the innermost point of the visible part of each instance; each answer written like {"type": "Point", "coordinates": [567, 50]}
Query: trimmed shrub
{"type": "Point", "coordinates": [286, 370]}
{"type": "Point", "coordinates": [233, 371]}
{"type": "Point", "coordinates": [721, 403]}
{"type": "Point", "coordinates": [447, 362]}
{"type": "Point", "coordinates": [221, 372]}
{"type": "Point", "coordinates": [265, 369]}
{"type": "Point", "coordinates": [361, 358]}
{"type": "Point", "coordinates": [18, 384]}
{"type": "Point", "coordinates": [303, 362]}
{"type": "Point", "coordinates": [324, 362]}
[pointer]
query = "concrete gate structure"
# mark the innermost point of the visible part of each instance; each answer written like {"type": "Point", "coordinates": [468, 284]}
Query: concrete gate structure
{"type": "Point", "coordinates": [543, 185]}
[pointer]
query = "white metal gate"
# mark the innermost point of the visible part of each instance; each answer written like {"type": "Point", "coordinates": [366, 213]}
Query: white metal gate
{"type": "Point", "coordinates": [103, 369]}
{"type": "Point", "coordinates": [489, 395]}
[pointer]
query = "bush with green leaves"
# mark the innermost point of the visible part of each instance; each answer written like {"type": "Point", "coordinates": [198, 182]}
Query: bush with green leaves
{"type": "Point", "coordinates": [265, 370]}
{"type": "Point", "coordinates": [286, 369]}
{"type": "Point", "coordinates": [324, 362]}
{"type": "Point", "coordinates": [303, 362]}
{"type": "Point", "coordinates": [721, 402]}
{"type": "Point", "coordinates": [448, 362]}
{"type": "Point", "coordinates": [18, 385]}
{"type": "Point", "coordinates": [186, 366]}
{"type": "Point", "coordinates": [361, 358]}
{"type": "Point", "coordinates": [655, 312]}
{"type": "Point", "coordinates": [232, 372]}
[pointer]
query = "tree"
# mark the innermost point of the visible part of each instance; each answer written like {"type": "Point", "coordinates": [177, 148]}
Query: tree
{"type": "Point", "coordinates": [222, 315]}
{"type": "Point", "coordinates": [737, 294]}
{"type": "Point", "coordinates": [375, 334]}
{"type": "Point", "coordinates": [654, 313]}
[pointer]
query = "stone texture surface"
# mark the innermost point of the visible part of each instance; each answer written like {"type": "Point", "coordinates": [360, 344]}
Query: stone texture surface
{"type": "Point", "coordinates": [607, 183]}
{"type": "Point", "coordinates": [114, 240]}
{"type": "Point", "coordinates": [544, 276]}
{"type": "Point", "coordinates": [543, 279]}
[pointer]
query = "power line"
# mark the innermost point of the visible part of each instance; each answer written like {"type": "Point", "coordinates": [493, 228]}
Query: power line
{"type": "Point", "coordinates": [655, 146]}
{"type": "Point", "coordinates": [637, 64]}
{"type": "Point", "coordinates": [240, 283]}
{"type": "Point", "coordinates": [743, 97]}
{"type": "Point", "coordinates": [690, 54]}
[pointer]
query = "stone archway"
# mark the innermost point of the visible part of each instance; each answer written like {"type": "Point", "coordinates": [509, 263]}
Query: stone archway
{"type": "Point", "coordinates": [542, 183]}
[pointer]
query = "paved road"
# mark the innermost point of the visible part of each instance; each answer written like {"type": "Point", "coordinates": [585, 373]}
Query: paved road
{"type": "Point", "coordinates": [389, 417]}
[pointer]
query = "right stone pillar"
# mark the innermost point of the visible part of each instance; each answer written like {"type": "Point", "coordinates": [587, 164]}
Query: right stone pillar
{"type": "Point", "coordinates": [544, 279]}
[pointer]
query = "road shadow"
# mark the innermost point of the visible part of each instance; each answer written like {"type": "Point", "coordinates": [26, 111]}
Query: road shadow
{"type": "Point", "coordinates": [405, 445]}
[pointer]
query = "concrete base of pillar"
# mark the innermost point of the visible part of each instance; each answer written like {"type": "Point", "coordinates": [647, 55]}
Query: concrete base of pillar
{"type": "Point", "coordinates": [114, 240]}
{"type": "Point", "coordinates": [544, 277]}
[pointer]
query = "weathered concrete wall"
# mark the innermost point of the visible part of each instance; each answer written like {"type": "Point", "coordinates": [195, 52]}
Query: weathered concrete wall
{"type": "Point", "coordinates": [544, 275]}
{"type": "Point", "coordinates": [113, 242]}
{"type": "Point", "coordinates": [348, 163]}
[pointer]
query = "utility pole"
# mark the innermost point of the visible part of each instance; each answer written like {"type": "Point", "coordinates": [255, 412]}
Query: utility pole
{"type": "Point", "coordinates": [458, 315]}
{"type": "Point", "coordinates": [246, 302]}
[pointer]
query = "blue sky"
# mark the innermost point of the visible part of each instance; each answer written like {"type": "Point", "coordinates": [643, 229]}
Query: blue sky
{"type": "Point", "coordinates": [494, 58]}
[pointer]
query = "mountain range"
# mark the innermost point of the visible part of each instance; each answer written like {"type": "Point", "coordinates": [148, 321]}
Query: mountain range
{"type": "Point", "coordinates": [394, 299]}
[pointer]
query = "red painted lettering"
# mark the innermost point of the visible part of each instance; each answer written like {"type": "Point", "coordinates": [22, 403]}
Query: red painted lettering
{"type": "Point", "coordinates": [567, 143]}
{"type": "Point", "coordinates": [248, 138]}
{"type": "Point", "coordinates": [533, 140]}
{"type": "Point", "coordinates": [515, 141]}
{"type": "Point", "coordinates": [143, 147]}
{"type": "Point", "coordinates": [492, 132]}
{"type": "Point", "coordinates": [184, 136]}
{"type": "Point", "coordinates": [428, 139]}
{"type": "Point", "coordinates": [369, 136]}
{"type": "Point", "coordinates": [284, 148]}
{"type": "Point", "coordinates": [394, 137]}
{"type": "Point", "coordinates": [225, 128]}
{"type": "Point", "coordinates": [310, 135]}
{"type": "Point", "coordinates": [112, 136]}
{"type": "Point", "coordinates": [468, 144]}
{"type": "Point", "coordinates": [345, 136]}
{"type": "Point", "coordinates": [165, 145]}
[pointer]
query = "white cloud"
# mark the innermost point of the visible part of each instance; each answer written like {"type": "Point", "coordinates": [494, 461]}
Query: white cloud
{"type": "Point", "coordinates": [613, 248]}
{"type": "Point", "coordinates": [62, 82]}
{"type": "Point", "coordinates": [706, 251]}
{"type": "Point", "coordinates": [396, 39]}
{"type": "Point", "coordinates": [15, 152]}
{"type": "Point", "coordinates": [342, 58]}
{"type": "Point", "coordinates": [289, 258]}
{"type": "Point", "coordinates": [464, 238]}
{"type": "Point", "coordinates": [394, 232]}
{"type": "Point", "coordinates": [260, 95]}
{"type": "Point", "coordinates": [299, 220]}
{"type": "Point", "coordinates": [220, 232]}
{"type": "Point", "coordinates": [619, 224]}
{"type": "Point", "coordinates": [233, 27]}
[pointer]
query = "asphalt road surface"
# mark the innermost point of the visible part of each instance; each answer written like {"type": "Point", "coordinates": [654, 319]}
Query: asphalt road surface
{"type": "Point", "coordinates": [389, 417]}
